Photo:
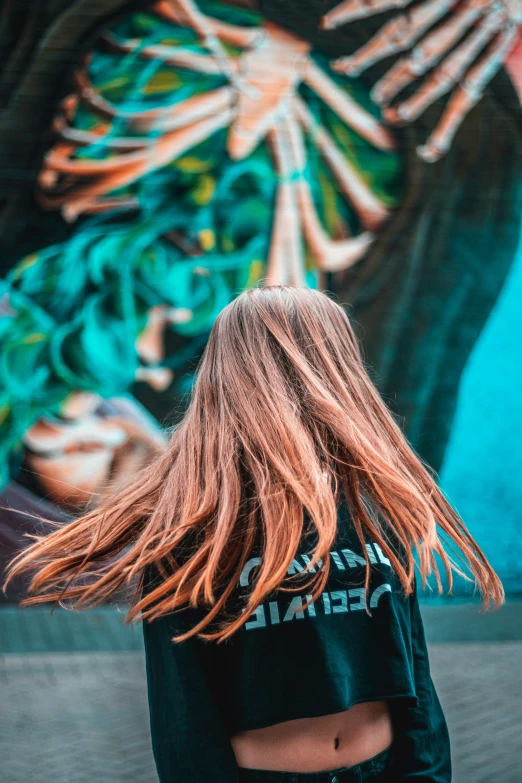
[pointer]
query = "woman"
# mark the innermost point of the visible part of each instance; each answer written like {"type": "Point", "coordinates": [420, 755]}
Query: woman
{"type": "Point", "coordinates": [272, 552]}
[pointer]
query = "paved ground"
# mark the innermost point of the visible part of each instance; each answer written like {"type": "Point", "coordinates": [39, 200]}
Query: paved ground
{"type": "Point", "coordinates": [74, 706]}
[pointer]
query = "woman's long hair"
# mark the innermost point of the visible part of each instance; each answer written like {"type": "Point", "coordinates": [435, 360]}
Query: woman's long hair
{"type": "Point", "coordinates": [282, 417]}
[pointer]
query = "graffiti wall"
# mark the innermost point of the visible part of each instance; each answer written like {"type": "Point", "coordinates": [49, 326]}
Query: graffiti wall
{"type": "Point", "coordinates": [156, 159]}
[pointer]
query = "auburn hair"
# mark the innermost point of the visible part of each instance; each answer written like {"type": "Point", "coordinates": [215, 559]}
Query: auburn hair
{"type": "Point", "coordinates": [282, 417]}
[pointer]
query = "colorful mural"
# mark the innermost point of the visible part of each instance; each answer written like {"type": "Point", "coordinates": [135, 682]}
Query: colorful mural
{"type": "Point", "coordinates": [158, 159]}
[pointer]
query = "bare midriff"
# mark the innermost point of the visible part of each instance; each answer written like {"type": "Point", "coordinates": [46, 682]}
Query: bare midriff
{"type": "Point", "coordinates": [342, 739]}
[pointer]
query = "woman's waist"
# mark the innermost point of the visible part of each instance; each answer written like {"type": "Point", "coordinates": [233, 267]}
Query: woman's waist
{"type": "Point", "coordinates": [317, 744]}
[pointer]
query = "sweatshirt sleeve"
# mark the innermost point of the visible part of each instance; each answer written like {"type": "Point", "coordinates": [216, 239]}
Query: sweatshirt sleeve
{"type": "Point", "coordinates": [189, 739]}
{"type": "Point", "coordinates": [422, 743]}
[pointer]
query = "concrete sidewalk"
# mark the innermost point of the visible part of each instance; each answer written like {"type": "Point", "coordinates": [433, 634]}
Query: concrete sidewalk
{"type": "Point", "coordinates": [74, 703]}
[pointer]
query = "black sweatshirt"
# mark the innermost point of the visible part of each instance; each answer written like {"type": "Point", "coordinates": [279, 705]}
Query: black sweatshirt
{"type": "Point", "coordinates": [285, 664]}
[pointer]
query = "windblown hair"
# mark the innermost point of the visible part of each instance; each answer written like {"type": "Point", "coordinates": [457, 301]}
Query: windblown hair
{"type": "Point", "coordinates": [282, 417]}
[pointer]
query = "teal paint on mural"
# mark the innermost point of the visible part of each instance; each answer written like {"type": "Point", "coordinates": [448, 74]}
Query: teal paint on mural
{"type": "Point", "coordinates": [482, 471]}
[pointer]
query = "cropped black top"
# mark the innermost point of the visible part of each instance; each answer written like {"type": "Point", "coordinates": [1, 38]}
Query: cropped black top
{"type": "Point", "coordinates": [286, 663]}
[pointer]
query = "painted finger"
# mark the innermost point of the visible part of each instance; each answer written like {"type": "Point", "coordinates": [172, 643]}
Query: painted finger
{"type": "Point", "coordinates": [285, 258]}
{"type": "Point", "coordinates": [431, 48]}
{"type": "Point", "coordinates": [332, 255]}
{"type": "Point", "coordinates": [166, 149]}
{"type": "Point", "coordinates": [171, 55]}
{"type": "Point", "coordinates": [347, 109]}
{"type": "Point", "coordinates": [48, 177]}
{"type": "Point", "coordinates": [230, 33]}
{"type": "Point", "coordinates": [162, 118]}
{"type": "Point", "coordinates": [370, 210]}
{"type": "Point", "coordinates": [468, 94]}
{"type": "Point", "coordinates": [188, 11]}
{"type": "Point", "coordinates": [358, 9]}
{"type": "Point", "coordinates": [57, 160]}
{"type": "Point", "coordinates": [113, 204]}
{"type": "Point", "coordinates": [448, 74]}
{"type": "Point", "coordinates": [82, 138]}
{"type": "Point", "coordinates": [403, 72]}
{"type": "Point", "coordinates": [397, 35]}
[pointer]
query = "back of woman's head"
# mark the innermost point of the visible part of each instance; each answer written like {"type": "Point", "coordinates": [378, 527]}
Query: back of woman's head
{"type": "Point", "coordinates": [283, 419]}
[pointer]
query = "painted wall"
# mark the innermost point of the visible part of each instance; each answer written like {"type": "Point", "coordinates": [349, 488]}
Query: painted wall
{"type": "Point", "coordinates": [157, 159]}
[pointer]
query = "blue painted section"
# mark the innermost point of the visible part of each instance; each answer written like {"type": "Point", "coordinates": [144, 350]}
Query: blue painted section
{"type": "Point", "coordinates": [482, 471]}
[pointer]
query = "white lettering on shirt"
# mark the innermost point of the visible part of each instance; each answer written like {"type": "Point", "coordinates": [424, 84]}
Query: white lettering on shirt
{"type": "Point", "coordinates": [295, 609]}
{"type": "Point", "coordinates": [333, 602]}
{"type": "Point", "coordinates": [342, 606]}
{"type": "Point", "coordinates": [260, 619]}
{"type": "Point", "coordinates": [377, 594]}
